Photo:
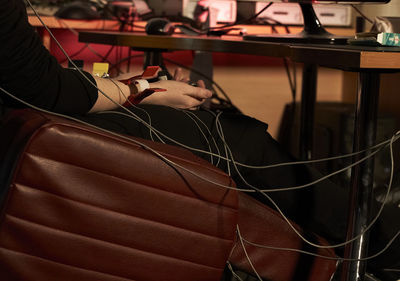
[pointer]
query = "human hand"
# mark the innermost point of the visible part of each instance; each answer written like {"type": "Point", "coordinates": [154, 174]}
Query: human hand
{"type": "Point", "coordinates": [179, 76]}
{"type": "Point", "coordinates": [178, 94]}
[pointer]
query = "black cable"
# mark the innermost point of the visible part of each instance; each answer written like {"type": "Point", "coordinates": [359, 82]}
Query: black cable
{"type": "Point", "coordinates": [73, 31]}
{"type": "Point", "coordinates": [202, 75]}
{"type": "Point", "coordinates": [292, 81]}
{"type": "Point", "coordinates": [361, 14]}
{"type": "Point", "coordinates": [75, 54]}
{"type": "Point", "coordinates": [128, 65]}
{"type": "Point", "coordinates": [268, 21]}
{"type": "Point", "coordinates": [105, 58]}
{"type": "Point", "coordinates": [128, 58]}
{"type": "Point", "coordinates": [223, 103]}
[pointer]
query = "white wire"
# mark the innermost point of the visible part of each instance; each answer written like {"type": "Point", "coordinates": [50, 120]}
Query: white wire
{"type": "Point", "coordinates": [242, 241]}
{"type": "Point", "coordinates": [299, 162]}
{"type": "Point", "coordinates": [146, 124]}
{"type": "Point", "coordinates": [202, 133]}
{"type": "Point", "coordinates": [151, 131]}
{"type": "Point", "coordinates": [324, 177]}
{"type": "Point", "coordinates": [222, 137]}
{"type": "Point", "coordinates": [323, 256]}
{"type": "Point", "coordinates": [193, 149]}
{"type": "Point", "coordinates": [364, 230]}
{"type": "Point", "coordinates": [227, 149]}
{"type": "Point", "coordinates": [394, 137]}
{"type": "Point", "coordinates": [137, 118]}
{"type": "Point", "coordinates": [201, 177]}
{"type": "Point", "coordinates": [392, 269]}
{"type": "Point", "coordinates": [210, 134]}
{"type": "Point", "coordinates": [233, 272]}
{"type": "Point", "coordinates": [78, 69]}
{"type": "Point", "coordinates": [245, 252]}
{"type": "Point", "coordinates": [219, 156]}
{"type": "Point", "coordinates": [158, 154]}
{"type": "Point", "coordinates": [318, 160]}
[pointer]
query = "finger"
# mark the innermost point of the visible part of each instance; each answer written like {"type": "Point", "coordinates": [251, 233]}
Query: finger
{"type": "Point", "coordinates": [195, 105]}
{"type": "Point", "coordinates": [199, 93]}
{"type": "Point", "coordinates": [201, 84]}
{"type": "Point", "coordinates": [192, 103]}
{"type": "Point", "coordinates": [178, 75]}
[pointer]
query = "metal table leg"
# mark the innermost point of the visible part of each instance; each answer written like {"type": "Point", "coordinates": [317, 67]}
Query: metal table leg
{"type": "Point", "coordinates": [308, 97]}
{"type": "Point", "coordinates": [155, 57]}
{"type": "Point", "coordinates": [362, 176]}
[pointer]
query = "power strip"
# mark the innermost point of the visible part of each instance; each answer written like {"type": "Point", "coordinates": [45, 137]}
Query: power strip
{"type": "Point", "coordinates": [226, 9]}
{"type": "Point", "coordinates": [290, 13]}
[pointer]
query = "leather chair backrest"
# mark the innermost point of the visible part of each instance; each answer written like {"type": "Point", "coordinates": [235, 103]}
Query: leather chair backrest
{"type": "Point", "coordinates": [81, 204]}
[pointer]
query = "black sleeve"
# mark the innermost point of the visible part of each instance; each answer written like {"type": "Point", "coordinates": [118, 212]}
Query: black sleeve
{"type": "Point", "coordinates": [30, 72]}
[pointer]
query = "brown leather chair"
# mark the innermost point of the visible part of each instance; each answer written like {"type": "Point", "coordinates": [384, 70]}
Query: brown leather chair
{"type": "Point", "coordinates": [83, 204]}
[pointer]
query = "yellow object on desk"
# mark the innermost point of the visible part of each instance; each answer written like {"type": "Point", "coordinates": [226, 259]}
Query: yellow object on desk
{"type": "Point", "coordinates": [100, 69]}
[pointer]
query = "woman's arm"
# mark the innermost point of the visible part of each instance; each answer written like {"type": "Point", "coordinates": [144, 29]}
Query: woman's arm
{"type": "Point", "coordinates": [178, 94]}
{"type": "Point", "coordinates": [30, 72]}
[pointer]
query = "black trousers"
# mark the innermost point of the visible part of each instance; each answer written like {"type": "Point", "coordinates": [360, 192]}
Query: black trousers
{"type": "Point", "coordinates": [321, 208]}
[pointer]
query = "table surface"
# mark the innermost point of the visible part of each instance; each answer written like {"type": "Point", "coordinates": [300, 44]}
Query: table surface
{"type": "Point", "coordinates": [346, 57]}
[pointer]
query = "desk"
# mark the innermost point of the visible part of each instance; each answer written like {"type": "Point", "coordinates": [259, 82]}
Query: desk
{"type": "Point", "coordinates": [351, 58]}
{"type": "Point", "coordinates": [369, 62]}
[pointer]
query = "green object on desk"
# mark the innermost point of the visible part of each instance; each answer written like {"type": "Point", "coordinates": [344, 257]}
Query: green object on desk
{"type": "Point", "coordinates": [388, 39]}
{"type": "Point", "coordinates": [376, 39]}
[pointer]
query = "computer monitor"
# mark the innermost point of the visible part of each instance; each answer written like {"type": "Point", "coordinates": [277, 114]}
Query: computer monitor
{"type": "Point", "coordinates": [313, 31]}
